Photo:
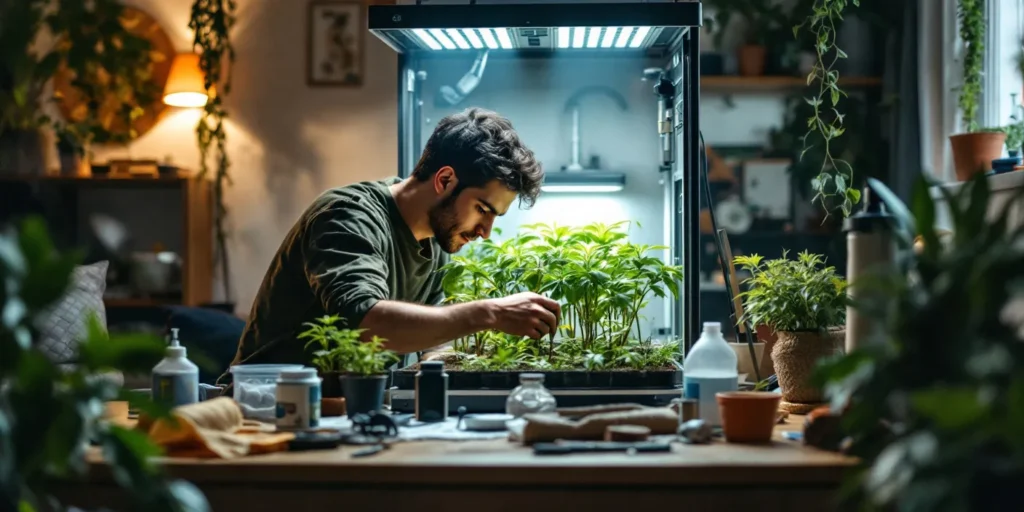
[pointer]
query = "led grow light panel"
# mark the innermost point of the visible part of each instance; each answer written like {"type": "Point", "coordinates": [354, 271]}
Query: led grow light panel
{"type": "Point", "coordinates": [539, 27]}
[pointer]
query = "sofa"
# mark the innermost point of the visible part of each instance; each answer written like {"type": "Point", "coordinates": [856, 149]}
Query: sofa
{"type": "Point", "coordinates": [210, 335]}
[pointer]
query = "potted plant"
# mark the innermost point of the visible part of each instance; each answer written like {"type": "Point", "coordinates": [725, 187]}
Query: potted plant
{"type": "Point", "coordinates": [804, 302]}
{"type": "Point", "coordinates": [932, 410]}
{"type": "Point", "coordinates": [603, 283]}
{"type": "Point", "coordinates": [358, 368]}
{"type": "Point", "coordinates": [759, 18]}
{"type": "Point", "coordinates": [1015, 130]}
{"type": "Point", "coordinates": [975, 148]}
{"type": "Point", "coordinates": [50, 413]}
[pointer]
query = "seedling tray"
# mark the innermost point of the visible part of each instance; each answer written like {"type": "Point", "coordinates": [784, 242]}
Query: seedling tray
{"type": "Point", "coordinates": [487, 391]}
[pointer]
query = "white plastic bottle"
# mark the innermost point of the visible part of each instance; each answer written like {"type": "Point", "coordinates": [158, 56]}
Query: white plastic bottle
{"type": "Point", "coordinates": [709, 368]}
{"type": "Point", "coordinates": [175, 378]}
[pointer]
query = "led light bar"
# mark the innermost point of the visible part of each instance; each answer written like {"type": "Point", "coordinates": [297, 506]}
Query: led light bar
{"type": "Point", "coordinates": [583, 182]}
{"type": "Point", "coordinates": [650, 27]}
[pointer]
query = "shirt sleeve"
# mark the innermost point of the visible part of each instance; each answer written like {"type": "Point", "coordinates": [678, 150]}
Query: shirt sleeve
{"type": "Point", "coordinates": [345, 266]}
{"type": "Point", "coordinates": [436, 297]}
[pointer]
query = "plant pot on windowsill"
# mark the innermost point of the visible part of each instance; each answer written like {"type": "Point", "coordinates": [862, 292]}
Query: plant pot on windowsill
{"type": "Point", "coordinates": [363, 393]}
{"type": "Point", "coordinates": [974, 152]}
{"type": "Point", "coordinates": [795, 355]}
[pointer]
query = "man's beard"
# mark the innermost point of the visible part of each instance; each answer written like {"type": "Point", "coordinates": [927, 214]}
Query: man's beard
{"type": "Point", "coordinates": [445, 225]}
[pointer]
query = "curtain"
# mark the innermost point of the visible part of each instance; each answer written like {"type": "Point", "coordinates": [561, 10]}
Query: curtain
{"type": "Point", "coordinates": [901, 83]}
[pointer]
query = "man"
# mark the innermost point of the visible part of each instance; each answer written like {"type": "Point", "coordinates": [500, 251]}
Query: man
{"type": "Point", "coordinates": [369, 252]}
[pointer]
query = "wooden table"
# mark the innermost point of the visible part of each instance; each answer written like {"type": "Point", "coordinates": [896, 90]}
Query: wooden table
{"type": "Point", "coordinates": [499, 475]}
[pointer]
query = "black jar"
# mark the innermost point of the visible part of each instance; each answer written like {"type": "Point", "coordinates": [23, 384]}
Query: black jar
{"type": "Point", "coordinates": [431, 392]}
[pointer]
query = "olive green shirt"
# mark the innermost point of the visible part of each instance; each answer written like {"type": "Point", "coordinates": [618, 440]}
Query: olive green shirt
{"type": "Point", "coordinates": [350, 249]}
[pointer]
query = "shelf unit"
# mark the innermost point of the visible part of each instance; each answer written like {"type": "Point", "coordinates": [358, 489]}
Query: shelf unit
{"type": "Point", "coordinates": [58, 199]}
{"type": "Point", "coordinates": [734, 83]}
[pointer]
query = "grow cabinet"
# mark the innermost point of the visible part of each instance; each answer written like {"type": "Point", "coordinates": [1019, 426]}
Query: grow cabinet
{"type": "Point", "coordinates": [460, 39]}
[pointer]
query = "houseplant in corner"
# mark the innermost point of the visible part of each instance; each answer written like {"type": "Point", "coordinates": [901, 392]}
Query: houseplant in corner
{"type": "Point", "coordinates": [359, 367]}
{"type": "Point", "coordinates": [804, 301]}
{"type": "Point", "coordinates": [50, 413]}
{"type": "Point", "coordinates": [932, 408]}
{"type": "Point", "coordinates": [976, 147]}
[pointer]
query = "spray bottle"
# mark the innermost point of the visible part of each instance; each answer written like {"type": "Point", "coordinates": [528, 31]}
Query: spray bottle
{"type": "Point", "coordinates": [871, 248]}
{"type": "Point", "coordinates": [175, 378]}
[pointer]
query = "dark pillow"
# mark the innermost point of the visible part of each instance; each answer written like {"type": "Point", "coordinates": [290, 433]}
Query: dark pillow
{"type": "Point", "coordinates": [208, 334]}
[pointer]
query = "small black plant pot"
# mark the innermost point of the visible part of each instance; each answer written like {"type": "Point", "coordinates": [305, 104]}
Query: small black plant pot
{"type": "Point", "coordinates": [363, 393]}
{"type": "Point", "coordinates": [331, 387]}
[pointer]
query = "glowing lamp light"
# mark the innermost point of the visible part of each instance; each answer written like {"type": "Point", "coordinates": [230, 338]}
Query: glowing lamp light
{"type": "Point", "coordinates": [185, 83]}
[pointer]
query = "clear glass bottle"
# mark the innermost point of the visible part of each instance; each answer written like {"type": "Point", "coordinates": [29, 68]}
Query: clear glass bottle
{"type": "Point", "coordinates": [530, 396]}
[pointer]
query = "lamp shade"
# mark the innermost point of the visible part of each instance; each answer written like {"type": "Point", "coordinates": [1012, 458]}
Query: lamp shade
{"type": "Point", "coordinates": [185, 83]}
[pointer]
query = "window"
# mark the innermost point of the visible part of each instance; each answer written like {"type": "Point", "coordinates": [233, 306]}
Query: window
{"type": "Point", "coordinates": [1003, 51]}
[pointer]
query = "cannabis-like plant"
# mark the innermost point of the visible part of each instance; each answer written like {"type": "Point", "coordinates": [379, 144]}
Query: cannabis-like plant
{"type": "Point", "coordinates": [935, 407]}
{"type": "Point", "coordinates": [49, 415]}
{"type": "Point", "coordinates": [785, 294]}
{"type": "Point", "coordinates": [340, 350]}
{"type": "Point", "coordinates": [602, 281]}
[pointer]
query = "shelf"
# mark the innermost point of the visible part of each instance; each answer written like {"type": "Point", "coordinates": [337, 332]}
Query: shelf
{"type": "Point", "coordinates": [173, 180]}
{"type": "Point", "coordinates": [732, 83]}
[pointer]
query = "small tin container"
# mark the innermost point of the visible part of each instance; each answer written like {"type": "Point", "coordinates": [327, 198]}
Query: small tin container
{"type": "Point", "coordinates": [431, 392]}
{"type": "Point", "coordinates": [298, 400]}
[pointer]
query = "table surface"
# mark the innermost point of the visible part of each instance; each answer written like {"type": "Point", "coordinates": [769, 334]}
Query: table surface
{"type": "Point", "coordinates": [506, 463]}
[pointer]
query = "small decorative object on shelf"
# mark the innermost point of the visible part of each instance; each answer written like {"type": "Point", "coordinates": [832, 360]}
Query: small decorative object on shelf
{"type": "Point", "coordinates": [530, 397]}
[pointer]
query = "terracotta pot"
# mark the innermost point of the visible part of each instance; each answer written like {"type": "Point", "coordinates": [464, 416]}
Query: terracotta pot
{"type": "Point", "coordinates": [748, 416]}
{"type": "Point", "coordinates": [751, 59]}
{"type": "Point", "coordinates": [766, 335]}
{"type": "Point", "coordinates": [795, 356]}
{"type": "Point", "coordinates": [973, 152]}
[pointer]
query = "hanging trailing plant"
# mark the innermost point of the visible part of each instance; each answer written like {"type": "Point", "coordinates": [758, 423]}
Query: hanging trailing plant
{"type": "Point", "coordinates": [834, 180]}
{"type": "Point", "coordinates": [211, 22]}
{"type": "Point", "coordinates": [972, 33]}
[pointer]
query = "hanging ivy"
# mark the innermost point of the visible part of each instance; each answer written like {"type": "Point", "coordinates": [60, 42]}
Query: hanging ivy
{"type": "Point", "coordinates": [835, 177]}
{"type": "Point", "coordinates": [211, 22]}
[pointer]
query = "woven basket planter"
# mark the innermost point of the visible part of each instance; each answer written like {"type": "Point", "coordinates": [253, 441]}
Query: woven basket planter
{"type": "Point", "coordinates": [795, 356]}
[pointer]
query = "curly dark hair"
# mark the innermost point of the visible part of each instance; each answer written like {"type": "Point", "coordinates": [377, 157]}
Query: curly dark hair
{"type": "Point", "coordinates": [481, 145]}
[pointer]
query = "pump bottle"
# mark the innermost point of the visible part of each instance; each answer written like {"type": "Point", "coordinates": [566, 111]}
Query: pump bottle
{"type": "Point", "coordinates": [175, 378]}
{"type": "Point", "coordinates": [871, 248]}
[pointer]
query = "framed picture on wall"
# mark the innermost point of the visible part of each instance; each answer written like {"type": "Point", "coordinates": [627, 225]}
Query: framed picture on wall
{"type": "Point", "coordinates": [334, 55]}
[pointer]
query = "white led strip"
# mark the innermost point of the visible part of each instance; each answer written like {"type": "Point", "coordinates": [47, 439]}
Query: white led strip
{"type": "Point", "coordinates": [500, 38]}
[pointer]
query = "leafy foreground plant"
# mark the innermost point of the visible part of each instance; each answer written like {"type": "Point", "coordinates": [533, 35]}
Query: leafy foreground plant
{"type": "Point", "coordinates": [340, 350]}
{"type": "Point", "coordinates": [601, 280]}
{"type": "Point", "coordinates": [48, 414]}
{"type": "Point", "coordinates": [935, 409]}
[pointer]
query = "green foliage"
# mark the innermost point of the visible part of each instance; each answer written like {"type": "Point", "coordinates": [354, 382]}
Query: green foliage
{"type": "Point", "coordinates": [101, 55]}
{"type": "Point", "coordinates": [934, 408]}
{"type": "Point", "coordinates": [211, 20]}
{"type": "Point", "coordinates": [836, 174]}
{"type": "Point", "coordinates": [792, 295]}
{"type": "Point", "coordinates": [49, 414]}
{"type": "Point", "coordinates": [341, 351]}
{"type": "Point", "coordinates": [601, 280]}
{"type": "Point", "coordinates": [972, 32]}
{"type": "Point", "coordinates": [760, 18]}
{"type": "Point", "coordinates": [1015, 130]}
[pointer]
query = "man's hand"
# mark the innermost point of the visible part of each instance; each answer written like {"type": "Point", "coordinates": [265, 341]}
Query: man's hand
{"type": "Point", "coordinates": [525, 314]}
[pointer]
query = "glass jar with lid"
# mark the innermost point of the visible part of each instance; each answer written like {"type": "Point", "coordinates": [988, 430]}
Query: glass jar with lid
{"type": "Point", "coordinates": [530, 397]}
